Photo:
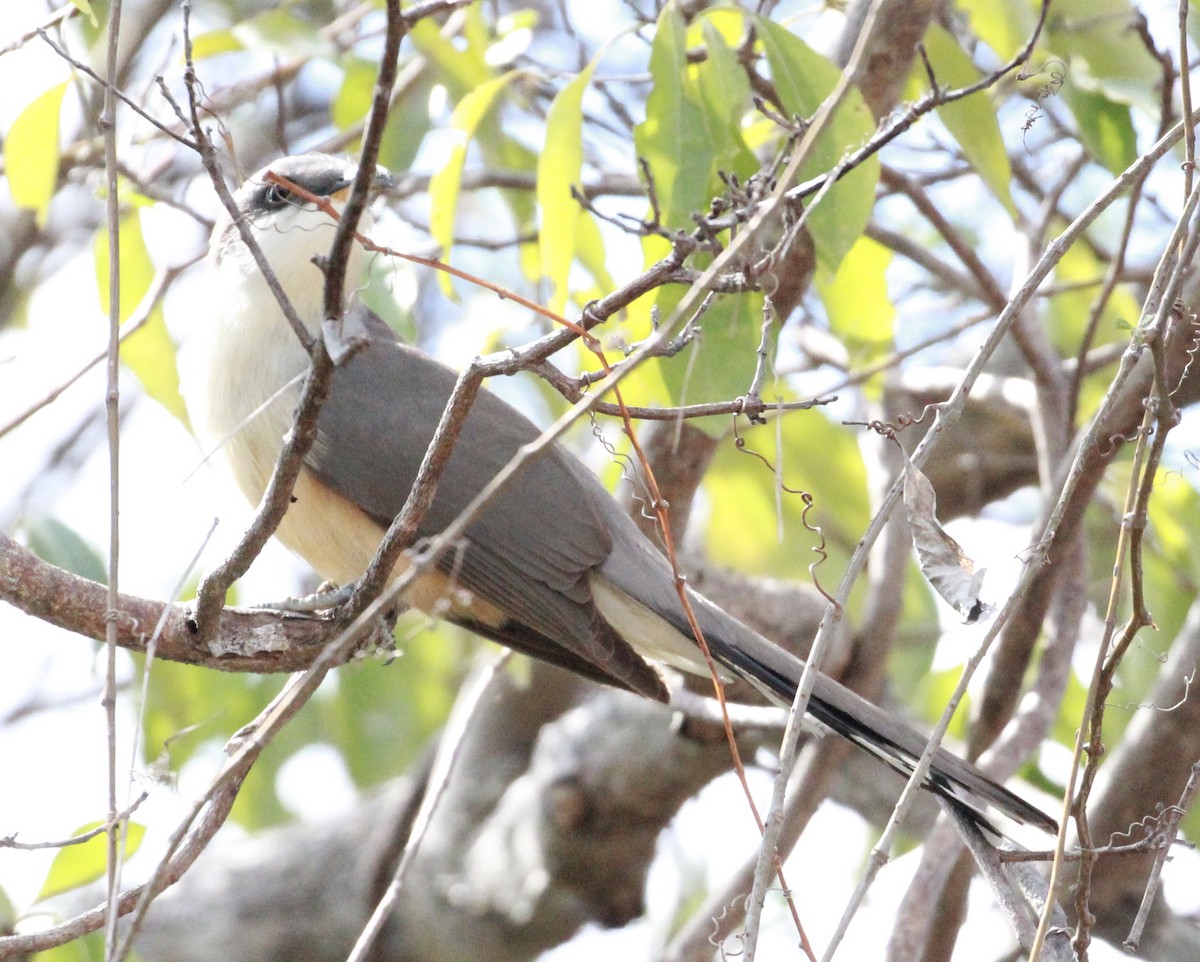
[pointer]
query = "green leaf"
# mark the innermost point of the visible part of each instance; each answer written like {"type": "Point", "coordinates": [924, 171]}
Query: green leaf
{"type": "Point", "coordinates": [8, 913]}
{"type": "Point", "coordinates": [278, 30]}
{"type": "Point", "coordinates": [408, 118]}
{"type": "Point", "coordinates": [149, 352]}
{"type": "Point", "coordinates": [723, 93]}
{"type": "Point", "coordinates": [856, 300]}
{"type": "Point", "coordinates": [672, 139]}
{"type": "Point", "coordinates": [77, 865]}
{"type": "Point", "coordinates": [1175, 519]}
{"type": "Point", "coordinates": [446, 184]}
{"type": "Point", "coordinates": [803, 79]}
{"type": "Point", "coordinates": [1067, 313]}
{"type": "Point", "coordinates": [1104, 126]}
{"type": "Point", "coordinates": [407, 125]}
{"type": "Point", "coordinates": [1103, 54]}
{"type": "Point", "coordinates": [719, 364]}
{"type": "Point", "coordinates": [560, 167]}
{"type": "Point", "coordinates": [384, 714]}
{"type": "Point", "coordinates": [971, 121]}
{"type": "Point", "coordinates": [31, 152]}
{"type": "Point", "coordinates": [60, 545]}
{"type": "Point", "coordinates": [933, 692]}
{"type": "Point", "coordinates": [462, 70]}
{"type": "Point", "coordinates": [691, 131]}
{"type": "Point", "coordinates": [187, 709]}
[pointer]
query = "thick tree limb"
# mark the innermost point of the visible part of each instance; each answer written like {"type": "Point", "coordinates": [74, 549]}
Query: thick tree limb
{"type": "Point", "coordinates": [249, 640]}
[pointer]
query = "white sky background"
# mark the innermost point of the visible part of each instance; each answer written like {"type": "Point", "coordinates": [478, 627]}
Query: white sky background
{"type": "Point", "coordinates": [167, 511]}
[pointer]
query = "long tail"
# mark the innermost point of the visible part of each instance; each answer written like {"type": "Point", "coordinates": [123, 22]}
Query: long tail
{"type": "Point", "coordinates": [777, 674]}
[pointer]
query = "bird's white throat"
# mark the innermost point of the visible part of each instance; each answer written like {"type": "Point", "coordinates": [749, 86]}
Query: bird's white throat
{"type": "Point", "coordinates": [242, 366]}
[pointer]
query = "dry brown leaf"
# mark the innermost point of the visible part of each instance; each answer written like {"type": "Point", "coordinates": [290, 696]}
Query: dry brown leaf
{"type": "Point", "coordinates": [948, 569]}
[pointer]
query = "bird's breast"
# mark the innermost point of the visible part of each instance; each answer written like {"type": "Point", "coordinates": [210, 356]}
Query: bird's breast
{"type": "Point", "coordinates": [241, 372]}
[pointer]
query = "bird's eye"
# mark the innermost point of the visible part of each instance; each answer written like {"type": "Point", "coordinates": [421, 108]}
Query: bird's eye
{"type": "Point", "coordinates": [277, 195]}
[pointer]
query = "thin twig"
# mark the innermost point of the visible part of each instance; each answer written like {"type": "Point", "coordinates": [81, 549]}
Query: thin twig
{"type": "Point", "coordinates": [769, 851]}
{"type": "Point", "coordinates": [931, 101]}
{"type": "Point", "coordinates": [450, 744]}
{"type": "Point", "coordinates": [112, 90]}
{"type": "Point", "coordinates": [948, 414]}
{"type": "Point", "coordinates": [112, 400]}
{"type": "Point", "coordinates": [60, 16]}
{"type": "Point", "coordinates": [1162, 841]}
{"type": "Point", "coordinates": [1167, 279]}
{"type": "Point", "coordinates": [11, 840]}
{"type": "Point", "coordinates": [136, 321]}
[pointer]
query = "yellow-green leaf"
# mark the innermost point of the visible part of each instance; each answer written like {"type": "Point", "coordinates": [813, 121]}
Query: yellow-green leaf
{"type": "Point", "coordinates": [589, 248]}
{"type": "Point", "coordinates": [818, 456]}
{"type": "Point", "coordinates": [971, 121]}
{"type": "Point", "coordinates": [215, 42]}
{"type": "Point", "coordinates": [446, 184]}
{"type": "Point", "coordinates": [719, 364]}
{"type": "Point", "coordinates": [31, 152]}
{"type": "Point", "coordinates": [90, 948]}
{"type": "Point", "coordinates": [856, 300]}
{"type": "Point", "coordinates": [85, 7]}
{"type": "Point", "coordinates": [383, 715]}
{"type": "Point", "coordinates": [672, 138]}
{"type": "Point", "coordinates": [803, 79]}
{"type": "Point", "coordinates": [353, 99]}
{"type": "Point", "coordinates": [1004, 27]}
{"type": "Point", "coordinates": [407, 124]}
{"type": "Point", "coordinates": [461, 70]}
{"type": "Point", "coordinates": [559, 168]}
{"type": "Point", "coordinates": [77, 865]}
{"type": "Point", "coordinates": [1067, 313]}
{"type": "Point", "coordinates": [723, 95]}
{"type": "Point", "coordinates": [149, 352]}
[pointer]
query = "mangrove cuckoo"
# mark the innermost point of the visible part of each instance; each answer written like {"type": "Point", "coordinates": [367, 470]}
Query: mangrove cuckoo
{"type": "Point", "coordinates": [553, 568]}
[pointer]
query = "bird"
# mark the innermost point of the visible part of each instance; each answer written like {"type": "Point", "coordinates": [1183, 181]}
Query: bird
{"type": "Point", "coordinates": [554, 567]}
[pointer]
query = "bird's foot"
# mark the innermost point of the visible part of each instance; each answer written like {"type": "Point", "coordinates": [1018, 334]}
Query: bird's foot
{"type": "Point", "coordinates": [326, 598]}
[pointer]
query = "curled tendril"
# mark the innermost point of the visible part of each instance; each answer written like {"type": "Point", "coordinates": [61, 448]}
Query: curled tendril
{"type": "Point", "coordinates": [1047, 90]}
{"type": "Point", "coordinates": [715, 939]}
{"type": "Point", "coordinates": [739, 442]}
{"type": "Point", "coordinates": [889, 429]}
{"type": "Point", "coordinates": [628, 474]}
{"type": "Point", "coordinates": [819, 549]}
{"type": "Point", "coordinates": [1192, 349]}
{"type": "Point", "coordinates": [1188, 680]}
{"type": "Point", "coordinates": [1108, 446]}
{"type": "Point", "coordinates": [1151, 825]}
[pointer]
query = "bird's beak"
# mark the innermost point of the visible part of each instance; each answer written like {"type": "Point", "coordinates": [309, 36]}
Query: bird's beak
{"type": "Point", "coordinates": [382, 183]}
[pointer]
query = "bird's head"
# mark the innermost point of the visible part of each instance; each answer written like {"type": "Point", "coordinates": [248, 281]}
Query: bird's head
{"type": "Point", "coordinates": [293, 233]}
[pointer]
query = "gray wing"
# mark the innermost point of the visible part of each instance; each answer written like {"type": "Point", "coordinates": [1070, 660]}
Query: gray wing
{"type": "Point", "coordinates": [532, 551]}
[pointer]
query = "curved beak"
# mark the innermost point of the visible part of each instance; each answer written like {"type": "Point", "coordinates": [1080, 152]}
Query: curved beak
{"type": "Point", "coordinates": [383, 181]}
